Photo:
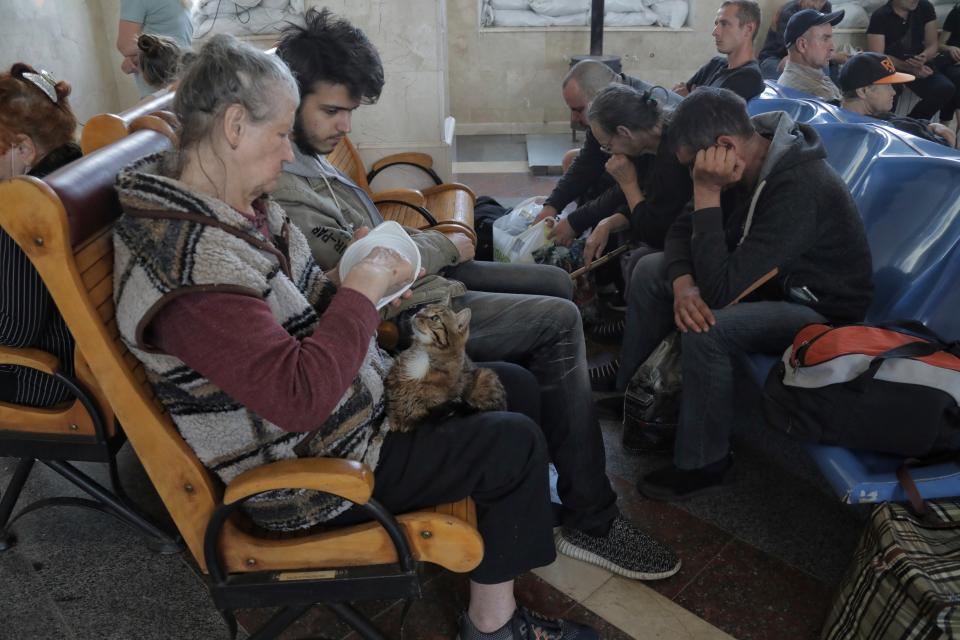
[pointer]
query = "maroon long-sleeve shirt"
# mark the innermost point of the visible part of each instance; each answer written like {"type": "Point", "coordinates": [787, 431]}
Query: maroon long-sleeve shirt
{"type": "Point", "coordinates": [235, 342]}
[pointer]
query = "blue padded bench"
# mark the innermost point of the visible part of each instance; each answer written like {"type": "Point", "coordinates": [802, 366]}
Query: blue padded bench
{"type": "Point", "coordinates": [908, 193]}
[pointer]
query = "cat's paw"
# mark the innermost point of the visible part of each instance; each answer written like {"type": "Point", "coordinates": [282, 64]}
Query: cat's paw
{"type": "Point", "coordinates": [487, 392]}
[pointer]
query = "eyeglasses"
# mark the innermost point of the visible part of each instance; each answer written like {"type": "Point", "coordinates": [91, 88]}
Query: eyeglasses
{"type": "Point", "coordinates": [605, 147]}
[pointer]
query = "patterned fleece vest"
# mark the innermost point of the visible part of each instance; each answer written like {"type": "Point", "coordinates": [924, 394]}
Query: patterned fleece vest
{"type": "Point", "coordinates": [170, 241]}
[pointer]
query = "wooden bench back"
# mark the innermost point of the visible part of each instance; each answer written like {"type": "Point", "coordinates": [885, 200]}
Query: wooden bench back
{"type": "Point", "coordinates": [346, 159]}
{"type": "Point", "coordinates": [107, 128]}
{"type": "Point", "coordinates": [64, 224]}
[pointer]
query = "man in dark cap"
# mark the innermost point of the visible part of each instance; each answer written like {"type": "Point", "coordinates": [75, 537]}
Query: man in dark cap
{"type": "Point", "coordinates": [809, 40]}
{"type": "Point", "coordinates": [867, 81]}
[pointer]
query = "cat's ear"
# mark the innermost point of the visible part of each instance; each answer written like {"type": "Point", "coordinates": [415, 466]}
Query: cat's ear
{"type": "Point", "coordinates": [463, 320]}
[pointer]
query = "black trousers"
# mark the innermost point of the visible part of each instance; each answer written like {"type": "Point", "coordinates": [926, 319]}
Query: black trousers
{"type": "Point", "coordinates": [497, 458]}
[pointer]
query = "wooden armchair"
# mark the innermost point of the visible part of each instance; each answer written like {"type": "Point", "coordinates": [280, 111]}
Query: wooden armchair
{"type": "Point", "coordinates": [449, 206]}
{"type": "Point", "coordinates": [106, 128]}
{"type": "Point", "coordinates": [64, 224]}
{"type": "Point", "coordinates": [79, 429]}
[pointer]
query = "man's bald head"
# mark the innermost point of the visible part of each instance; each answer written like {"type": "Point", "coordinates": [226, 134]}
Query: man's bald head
{"type": "Point", "coordinates": [584, 81]}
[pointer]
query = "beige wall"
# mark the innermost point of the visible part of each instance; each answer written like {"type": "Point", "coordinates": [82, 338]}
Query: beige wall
{"type": "Point", "coordinates": [509, 81]}
{"type": "Point", "coordinates": [68, 38]}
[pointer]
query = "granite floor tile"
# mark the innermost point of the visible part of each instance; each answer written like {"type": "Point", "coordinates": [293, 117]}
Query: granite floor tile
{"type": "Point", "coordinates": [26, 609]}
{"type": "Point", "coordinates": [645, 614]}
{"type": "Point", "coordinates": [574, 578]}
{"type": "Point", "coordinates": [696, 542]}
{"type": "Point", "coordinates": [753, 596]}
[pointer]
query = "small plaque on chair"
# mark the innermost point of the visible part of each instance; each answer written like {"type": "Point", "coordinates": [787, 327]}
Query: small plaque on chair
{"type": "Point", "coordinates": [307, 575]}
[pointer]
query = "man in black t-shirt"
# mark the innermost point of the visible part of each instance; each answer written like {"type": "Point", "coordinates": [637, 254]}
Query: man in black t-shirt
{"type": "Point", "coordinates": [734, 29]}
{"type": "Point", "coordinates": [906, 31]}
{"type": "Point", "coordinates": [867, 82]}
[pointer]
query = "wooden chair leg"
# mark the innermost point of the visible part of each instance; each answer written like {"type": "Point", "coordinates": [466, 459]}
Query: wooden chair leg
{"type": "Point", "coordinates": [14, 487]}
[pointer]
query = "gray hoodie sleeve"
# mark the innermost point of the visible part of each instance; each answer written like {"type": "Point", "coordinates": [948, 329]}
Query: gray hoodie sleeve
{"type": "Point", "coordinates": [436, 250]}
{"type": "Point", "coordinates": [327, 239]}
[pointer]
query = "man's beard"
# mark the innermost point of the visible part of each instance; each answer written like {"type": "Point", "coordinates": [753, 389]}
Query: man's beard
{"type": "Point", "coordinates": [302, 140]}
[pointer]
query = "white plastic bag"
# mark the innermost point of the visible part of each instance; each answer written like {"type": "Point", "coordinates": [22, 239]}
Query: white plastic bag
{"type": "Point", "coordinates": [514, 239]}
{"type": "Point", "coordinates": [519, 249]}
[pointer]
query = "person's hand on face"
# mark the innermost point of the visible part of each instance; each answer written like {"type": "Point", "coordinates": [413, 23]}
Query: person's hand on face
{"type": "Point", "coordinates": [621, 168]}
{"type": "Point", "coordinates": [717, 167]}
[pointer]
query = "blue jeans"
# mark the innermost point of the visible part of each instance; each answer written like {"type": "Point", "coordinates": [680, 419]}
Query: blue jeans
{"type": "Point", "coordinates": [707, 359]}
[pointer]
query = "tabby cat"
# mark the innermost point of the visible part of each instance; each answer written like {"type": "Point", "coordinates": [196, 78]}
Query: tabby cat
{"type": "Point", "coordinates": [435, 374]}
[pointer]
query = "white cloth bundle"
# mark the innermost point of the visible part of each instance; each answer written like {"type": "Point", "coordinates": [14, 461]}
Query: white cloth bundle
{"type": "Point", "coordinates": [559, 8]}
{"type": "Point", "coordinates": [624, 6]}
{"type": "Point", "coordinates": [641, 18]}
{"type": "Point", "coordinates": [510, 5]}
{"type": "Point", "coordinates": [532, 19]}
{"type": "Point", "coordinates": [671, 13]}
{"type": "Point", "coordinates": [854, 16]}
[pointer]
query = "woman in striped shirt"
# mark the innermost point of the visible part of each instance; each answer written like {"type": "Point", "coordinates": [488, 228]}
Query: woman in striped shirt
{"type": "Point", "coordinates": [37, 129]}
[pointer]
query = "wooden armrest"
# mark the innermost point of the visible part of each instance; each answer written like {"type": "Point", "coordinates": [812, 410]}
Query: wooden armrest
{"type": "Point", "coordinates": [155, 122]}
{"type": "Point", "coordinates": [345, 478]}
{"type": "Point", "coordinates": [410, 157]}
{"type": "Point", "coordinates": [409, 196]}
{"type": "Point", "coordinates": [33, 358]}
{"type": "Point", "coordinates": [451, 186]}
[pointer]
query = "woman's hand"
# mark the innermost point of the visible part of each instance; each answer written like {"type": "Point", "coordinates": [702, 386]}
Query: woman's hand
{"type": "Point", "coordinates": [690, 312]}
{"type": "Point", "coordinates": [621, 168]}
{"type": "Point", "coordinates": [379, 274]}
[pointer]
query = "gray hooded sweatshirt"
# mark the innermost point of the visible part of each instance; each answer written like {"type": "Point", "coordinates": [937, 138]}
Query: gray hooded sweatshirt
{"type": "Point", "coordinates": [799, 218]}
{"type": "Point", "coordinates": [328, 207]}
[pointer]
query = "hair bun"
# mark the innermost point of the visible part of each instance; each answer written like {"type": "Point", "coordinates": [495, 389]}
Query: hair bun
{"type": "Point", "coordinates": [63, 89]}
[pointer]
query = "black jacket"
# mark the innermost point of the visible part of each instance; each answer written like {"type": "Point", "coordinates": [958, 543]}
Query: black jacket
{"type": "Point", "coordinates": [803, 222]}
{"type": "Point", "coordinates": [666, 188]}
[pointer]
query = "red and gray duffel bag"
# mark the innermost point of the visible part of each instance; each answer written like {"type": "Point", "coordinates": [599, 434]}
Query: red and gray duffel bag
{"type": "Point", "coordinates": [892, 388]}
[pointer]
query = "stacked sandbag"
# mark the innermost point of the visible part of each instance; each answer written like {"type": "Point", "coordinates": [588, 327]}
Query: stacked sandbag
{"type": "Point", "coordinates": [572, 13]}
{"type": "Point", "coordinates": [246, 17]}
{"type": "Point", "coordinates": [855, 16]}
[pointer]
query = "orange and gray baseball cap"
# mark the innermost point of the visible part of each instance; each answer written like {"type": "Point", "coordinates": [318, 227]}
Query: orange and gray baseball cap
{"type": "Point", "coordinates": [865, 69]}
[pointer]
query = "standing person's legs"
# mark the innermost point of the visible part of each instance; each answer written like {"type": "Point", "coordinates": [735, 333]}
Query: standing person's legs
{"type": "Point", "coordinates": [701, 455]}
{"type": "Point", "coordinates": [649, 314]}
{"type": "Point", "coordinates": [934, 92]}
{"type": "Point", "coordinates": [501, 277]}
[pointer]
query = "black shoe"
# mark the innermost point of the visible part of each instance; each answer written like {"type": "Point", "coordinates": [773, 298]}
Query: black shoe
{"type": "Point", "coordinates": [528, 625]}
{"type": "Point", "coordinates": [671, 483]}
{"type": "Point", "coordinates": [648, 437]}
{"type": "Point", "coordinates": [603, 377]}
{"type": "Point", "coordinates": [624, 550]}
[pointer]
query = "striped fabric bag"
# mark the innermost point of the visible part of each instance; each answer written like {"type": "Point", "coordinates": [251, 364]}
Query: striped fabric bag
{"type": "Point", "coordinates": [904, 581]}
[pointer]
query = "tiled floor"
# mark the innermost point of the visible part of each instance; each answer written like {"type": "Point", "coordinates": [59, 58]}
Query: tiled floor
{"type": "Point", "coordinates": [760, 561]}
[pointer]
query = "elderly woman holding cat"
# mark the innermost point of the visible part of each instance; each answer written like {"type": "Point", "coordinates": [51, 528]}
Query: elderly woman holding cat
{"type": "Point", "coordinates": [251, 346]}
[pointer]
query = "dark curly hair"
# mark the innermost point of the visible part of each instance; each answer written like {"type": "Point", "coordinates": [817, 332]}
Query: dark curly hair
{"type": "Point", "coordinates": [330, 49]}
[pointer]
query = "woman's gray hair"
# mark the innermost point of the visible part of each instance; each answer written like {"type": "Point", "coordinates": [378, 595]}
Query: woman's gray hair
{"type": "Point", "coordinates": [225, 72]}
